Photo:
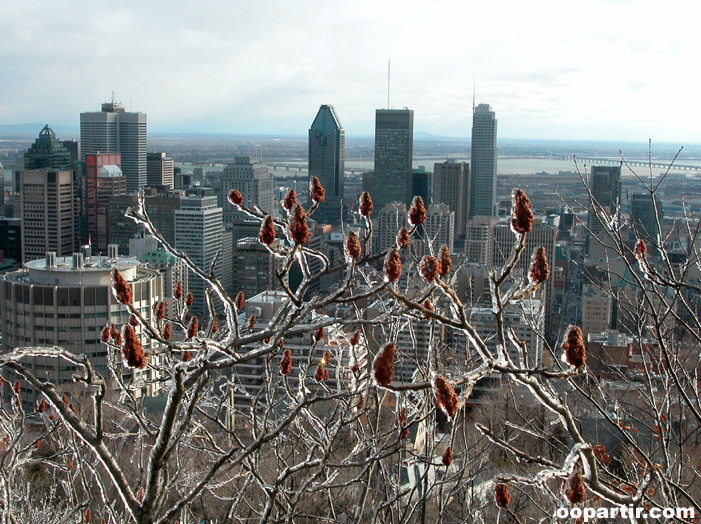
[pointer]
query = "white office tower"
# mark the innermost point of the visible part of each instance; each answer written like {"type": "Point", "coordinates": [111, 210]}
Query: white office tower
{"type": "Point", "coordinates": [114, 130]}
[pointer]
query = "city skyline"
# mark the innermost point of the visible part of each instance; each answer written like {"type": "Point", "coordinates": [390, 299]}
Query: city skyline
{"type": "Point", "coordinates": [552, 77]}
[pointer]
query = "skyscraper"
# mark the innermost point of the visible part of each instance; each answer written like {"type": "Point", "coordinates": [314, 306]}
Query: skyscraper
{"type": "Point", "coordinates": [255, 183]}
{"type": "Point", "coordinates": [159, 170]}
{"type": "Point", "coordinates": [483, 179]}
{"type": "Point", "coordinates": [327, 145]}
{"type": "Point", "coordinates": [394, 150]}
{"type": "Point", "coordinates": [48, 213]}
{"type": "Point", "coordinates": [103, 179]}
{"type": "Point", "coordinates": [113, 130]}
{"type": "Point", "coordinates": [47, 152]}
{"type": "Point", "coordinates": [198, 232]}
{"type": "Point", "coordinates": [451, 186]}
{"type": "Point", "coordinates": [645, 212]}
{"type": "Point", "coordinates": [605, 187]}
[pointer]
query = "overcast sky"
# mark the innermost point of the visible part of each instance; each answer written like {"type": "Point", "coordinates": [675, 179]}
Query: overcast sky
{"type": "Point", "coordinates": [621, 70]}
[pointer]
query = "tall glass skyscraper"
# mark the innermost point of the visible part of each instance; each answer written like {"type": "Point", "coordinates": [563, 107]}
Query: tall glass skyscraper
{"type": "Point", "coordinates": [327, 146]}
{"type": "Point", "coordinates": [394, 149]}
{"type": "Point", "coordinates": [483, 177]}
{"type": "Point", "coordinates": [113, 130]}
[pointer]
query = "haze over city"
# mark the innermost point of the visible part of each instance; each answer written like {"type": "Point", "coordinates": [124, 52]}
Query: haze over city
{"type": "Point", "coordinates": [614, 70]}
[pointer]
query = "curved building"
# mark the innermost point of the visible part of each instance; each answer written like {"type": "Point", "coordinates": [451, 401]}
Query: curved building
{"type": "Point", "coordinates": [66, 301]}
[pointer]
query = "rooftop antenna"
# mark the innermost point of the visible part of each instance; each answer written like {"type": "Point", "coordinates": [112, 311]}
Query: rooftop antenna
{"type": "Point", "coordinates": [113, 97]}
{"type": "Point", "coordinates": [474, 83]}
{"type": "Point", "coordinates": [389, 61]}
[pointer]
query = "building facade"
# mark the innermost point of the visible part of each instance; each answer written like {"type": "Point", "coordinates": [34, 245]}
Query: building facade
{"type": "Point", "coordinates": [483, 176]}
{"type": "Point", "coordinates": [198, 232]}
{"type": "Point", "coordinates": [394, 151]}
{"type": "Point", "coordinates": [65, 302]}
{"type": "Point", "coordinates": [114, 130]}
{"type": "Point", "coordinates": [102, 179]}
{"type": "Point", "coordinates": [327, 146]}
{"type": "Point", "coordinates": [254, 182]}
{"type": "Point", "coordinates": [451, 186]}
{"type": "Point", "coordinates": [159, 170]}
{"type": "Point", "coordinates": [48, 211]}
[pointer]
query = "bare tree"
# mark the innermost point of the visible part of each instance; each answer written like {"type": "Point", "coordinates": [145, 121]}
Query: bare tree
{"type": "Point", "coordinates": [333, 432]}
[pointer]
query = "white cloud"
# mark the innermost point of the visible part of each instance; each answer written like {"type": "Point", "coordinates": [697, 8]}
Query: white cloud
{"type": "Point", "coordinates": [601, 70]}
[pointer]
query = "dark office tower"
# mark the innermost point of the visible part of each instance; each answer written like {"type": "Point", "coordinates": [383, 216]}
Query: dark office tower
{"type": "Point", "coordinates": [47, 152]}
{"type": "Point", "coordinates": [73, 147]}
{"type": "Point", "coordinates": [483, 178]}
{"type": "Point", "coordinates": [451, 185]}
{"type": "Point", "coordinates": [644, 215]}
{"type": "Point", "coordinates": [103, 179]}
{"type": "Point", "coordinates": [605, 186]}
{"type": "Point", "coordinates": [48, 213]}
{"type": "Point", "coordinates": [113, 130]}
{"type": "Point", "coordinates": [394, 148]}
{"type": "Point", "coordinates": [160, 170]}
{"type": "Point", "coordinates": [254, 182]}
{"type": "Point", "coordinates": [327, 145]}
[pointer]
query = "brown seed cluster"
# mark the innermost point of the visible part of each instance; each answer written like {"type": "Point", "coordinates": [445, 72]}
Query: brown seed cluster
{"type": "Point", "coordinates": [429, 268]}
{"type": "Point", "coordinates": [298, 228]}
{"type": "Point", "coordinates": [502, 495]}
{"type": "Point", "coordinates": [393, 265]}
{"type": "Point", "coordinates": [403, 238]}
{"type": "Point", "coordinates": [318, 334]}
{"type": "Point", "coordinates": [235, 197]}
{"type": "Point", "coordinates": [640, 249]}
{"type": "Point", "coordinates": [131, 350]}
{"type": "Point", "coordinates": [365, 205]}
{"type": "Point", "coordinates": [178, 293]}
{"type": "Point", "coordinates": [540, 269]}
{"type": "Point", "coordinates": [427, 305]}
{"type": "Point", "coordinates": [240, 300]}
{"type": "Point", "coordinates": [352, 245]}
{"type": "Point", "coordinates": [167, 331]}
{"type": "Point", "coordinates": [447, 458]}
{"type": "Point", "coordinates": [576, 489]}
{"type": "Point", "coordinates": [403, 424]}
{"type": "Point", "coordinates": [116, 335]}
{"type": "Point", "coordinates": [521, 213]}
{"type": "Point", "coordinates": [161, 310]}
{"type": "Point", "coordinates": [383, 367]}
{"type": "Point", "coordinates": [322, 374]}
{"type": "Point", "coordinates": [189, 299]}
{"type": "Point", "coordinates": [355, 338]}
{"type": "Point", "coordinates": [445, 395]}
{"type": "Point", "coordinates": [105, 334]}
{"type": "Point", "coordinates": [575, 351]}
{"type": "Point", "coordinates": [266, 235]}
{"type": "Point", "coordinates": [193, 327]}
{"type": "Point", "coordinates": [316, 190]}
{"type": "Point", "coordinates": [417, 211]}
{"type": "Point", "coordinates": [445, 261]}
{"type": "Point", "coordinates": [122, 289]}
{"type": "Point", "coordinates": [290, 200]}
{"type": "Point", "coordinates": [286, 362]}
{"type": "Point", "coordinates": [133, 322]}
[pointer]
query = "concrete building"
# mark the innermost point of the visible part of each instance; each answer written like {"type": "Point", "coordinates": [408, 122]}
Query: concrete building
{"type": "Point", "coordinates": [48, 211]}
{"type": "Point", "coordinates": [387, 223]}
{"type": "Point", "coordinates": [483, 178]}
{"type": "Point", "coordinates": [66, 301]}
{"type": "Point", "coordinates": [451, 186]}
{"type": "Point", "coordinates": [114, 130]}
{"type": "Point", "coordinates": [439, 228]}
{"type": "Point", "coordinates": [159, 170]}
{"type": "Point", "coordinates": [394, 150]}
{"type": "Point", "coordinates": [198, 232]}
{"type": "Point", "coordinates": [647, 215]}
{"type": "Point", "coordinates": [254, 182]}
{"type": "Point", "coordinates": [597, 307]}
{"type": "Point", "coordinates": [160, 206]}
{"type": "Point", "coordinates": [11, 238]}
{"type": "Point", "coordinates": [327, 146]}
{"type": "Point", "coordinates": [479, 240]}
{"type": "Point", "coordinates": [172, 270]}
{"type": "Point", "coordinates": [103, 179]}
{"type": "Point", "coordinates": [253, 267]}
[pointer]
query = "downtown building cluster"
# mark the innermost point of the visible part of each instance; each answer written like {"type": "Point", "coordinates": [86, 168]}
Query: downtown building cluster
{"type": "Point", "coordinates": [69, 220]}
